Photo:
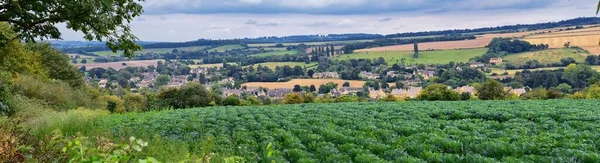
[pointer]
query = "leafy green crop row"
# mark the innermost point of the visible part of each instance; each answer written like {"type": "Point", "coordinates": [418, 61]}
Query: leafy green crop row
{"type": "Point", "coordinates": [481, 131]}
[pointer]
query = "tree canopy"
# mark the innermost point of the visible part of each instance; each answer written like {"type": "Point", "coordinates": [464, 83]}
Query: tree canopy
{"type": "Point", "coordinates": [99, 20]}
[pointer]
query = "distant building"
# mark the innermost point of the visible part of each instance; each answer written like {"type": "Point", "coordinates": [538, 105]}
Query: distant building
{"type": "Point", "coordinates": [476, 65]}
{"type": "Point", "coordinates": [412, 92]}
{"type": "Point", "coordinates": [368, 75]}
{"type": "Point", "coordinates": [466, 89]}
{"type": "Point", "coordinates": [278, 93]}
{"type": "Point", "coordinates": [376, 94]}
{"type": "Point", "coordinates": [102, 83]}
{"type": "Point", "coordinates": [326, 75]}
{"type": "Point", "coordinates": [495, 61]}
{"type": "Point", "coordinates": [425, 73]}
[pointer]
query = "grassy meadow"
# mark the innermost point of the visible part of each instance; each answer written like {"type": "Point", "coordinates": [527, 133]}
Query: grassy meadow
{"type": "Point", "coordinates": [226, 48]}
{"type": "Point", "coordinates": [276, 53]}
{"type": "Point", "coordinates": [546, 56]}
{"type": "Point", "coordinates": [426, 57]}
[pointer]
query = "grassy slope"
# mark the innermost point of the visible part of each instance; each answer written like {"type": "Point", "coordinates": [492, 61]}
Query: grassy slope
{"type": "Point", "coordinates": [444, 128]}
{"type": "Point", "coordinates": [158, 50]}
{"type": "Point", "coordinates": [272, 65]}
{"type": "Point", "coordinates": [546, 56]}
{"type": "Point", "coordinates": [428, 57]}
{"type": "Point", "coordinates": [512, 72]}
{"type": "Point", "coordinates": [226, 47]}
{"type": "Point", "coordinates": [276, 53]}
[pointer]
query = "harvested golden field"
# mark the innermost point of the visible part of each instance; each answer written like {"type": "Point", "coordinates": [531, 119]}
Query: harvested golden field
{"type": "Point", "coordinates": [119, 65]}
{"type": "Point", "coordinates": [304, 82]}
{"type": "Point", "coordinates": [481, 41]}
{"type": "Point", "coordinates": [587, 38]}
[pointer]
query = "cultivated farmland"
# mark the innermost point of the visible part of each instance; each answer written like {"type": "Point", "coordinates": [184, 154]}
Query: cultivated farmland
{"type": "Point", "coordinates": [276, 53]}
{"type": "Point", "coordinates": [119, 65]}
{"type": "Point", "coordinates": [586, 38]}
{"type": "Point", "coordinates": [428, 57]}
{"type": "Point", "coordinates": [226, 48]}
{"type": "Point", "coordinates": [477, 131]}
{"type": "Point", "coordinates": [156, 51]}
{"type": "Point", "coordinates": [303, 82]}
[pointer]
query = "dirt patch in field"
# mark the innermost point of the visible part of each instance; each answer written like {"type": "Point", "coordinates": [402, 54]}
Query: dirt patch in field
{"type": "Point", "coordinates": [304, 82]}
{"type": "Point", "coordinates": [119, 65]}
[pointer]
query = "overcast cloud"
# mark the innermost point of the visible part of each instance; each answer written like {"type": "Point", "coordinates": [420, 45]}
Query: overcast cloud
{"type": "Point", "coordinates": [184, 20]}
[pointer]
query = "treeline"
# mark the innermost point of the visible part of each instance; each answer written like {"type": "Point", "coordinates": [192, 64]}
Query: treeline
{"type": "Point", "coordinates": [347, 37]}
{"type": "Point", "coordinates": [387, 42]}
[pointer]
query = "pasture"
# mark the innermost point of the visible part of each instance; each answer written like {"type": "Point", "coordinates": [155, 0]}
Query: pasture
{"type": "Point", "coordinates": [276, 53]}
{"type": "Point", "coordinates": [514, 71]}
{"type": "Point", "coordinates": [426, 57]}
{"type": "Point", "coordinates": [273, 65]}
{"type": "Point", "coordinates": [546, 56]}
{"type": "Point", "coordinates": [155, 51]}
{"type": "Point", "coordinates": [226, 48]}
{"type": "Point", "coordinates": [303, 82]}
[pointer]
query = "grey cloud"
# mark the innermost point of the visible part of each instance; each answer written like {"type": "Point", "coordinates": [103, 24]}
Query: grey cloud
{"type": "Point", "coordinates": [336, 7]}
{"type": "Point", "coordinates": [254, 22]}
{"type": "Point", "coordinates": [251, 22]}
{"type": "Point", "coordinates": [387, 19]}
{"type": "Point", "coordinates": [317, 24]}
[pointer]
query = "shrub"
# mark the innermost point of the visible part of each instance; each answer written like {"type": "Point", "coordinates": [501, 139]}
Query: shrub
{"type": "Point", "coordinates": [593, 92]}
{"type": "Point", "coordinates": [491, 90]}
{"type": "Point", "coordinates": [135, 102]}
{"type": "Point", "coordinates": [114, 104]}
{"type": "Point", "coordinates": [57, 94]}
{"type": "Point", "coordinates": [346, 98]}
{"type": "Point", "coordinates": [293, 98]}
{"type": "Point", "coordinates": [191, 95]}
{"type": "Point", "coordinates": [438, 92]}
{"type": "Point", "coordinates": [232, 100]}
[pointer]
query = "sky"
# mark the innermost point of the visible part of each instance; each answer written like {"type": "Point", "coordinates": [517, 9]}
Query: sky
{"type": "Point", "coordinates": [187, 20]}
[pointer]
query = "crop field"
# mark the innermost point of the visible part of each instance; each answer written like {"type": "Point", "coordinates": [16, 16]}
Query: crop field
{"type": "Point", "coordinates": [586, 38]}
{"type": "Point", "coordinates": [157, 50]}
{"type": "Point", "coordinates": [427, 57]}
{"type": "Point", "coordinates": [273, 65]}
{"type": "Point", "coordinates": [119, 65]}
{"type": "Point", "coordinates": [276, 53]}
{"type": "Point", "coordinates": [547, 56]}
{"type": "Point", "coordinates": [226, 48]}
{"type": "Point", "coordinates": [474, 131]}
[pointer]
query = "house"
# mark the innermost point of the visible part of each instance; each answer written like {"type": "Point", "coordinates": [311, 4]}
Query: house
{"type": "Point", "coordinates": [376, 94]}
{"type": "Point", "coordinates": [398, 92]}
{"type": "Point", "coordinates": [349, 90]}
{"type": "Point", "coordinates": [425, 73]}
{"type": "Point", "coordinates": [476, 65]}
{"type": "Point", "coordinates": [229, 92]}
{"type": "Point", "coordinates": [102, 83]}
{"type": "Point", "coordinates": [495, 61]}
{"type": "Point", "coordinates": [413, 92]}
{"type": "Point", "coordinates": [518, 91]}
{"type": "Point", "coordinates": [326, 75]}
{"type": "Point", "coordinates": [368, 75]}
{"type": "Point", "coordinates": [466, 89]}
{"type": "Point", "coordinates": [278, 93]}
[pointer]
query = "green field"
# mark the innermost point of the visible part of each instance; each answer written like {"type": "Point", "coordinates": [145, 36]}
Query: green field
{"type": "Point", "coordinates": [158, 50]}
{"type": "Point", "coordinates": [226, 48]}
{"type": "Point", "coordinates": [276, 49]}
{"type": "Point", "coordinates": [546, 56]}
{"type": "Point", "coordinates": [272, 65]}
{"type": "Point", "coordinates": [427, 57]}
{"type": "Point", "coordinates": [512, 72]}
{"type": "Point", "coordinates": [474, 131]}
{"type": "Point", "coordinates": [308, 43]}
{"type": "Point", "coordinates": [276, 53]}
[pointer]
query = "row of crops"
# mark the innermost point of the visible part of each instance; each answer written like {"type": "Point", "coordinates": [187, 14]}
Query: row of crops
{"type": "Point", "coordinates": [481, 131]}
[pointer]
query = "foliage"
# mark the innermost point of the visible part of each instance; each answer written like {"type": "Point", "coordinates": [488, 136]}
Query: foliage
{"type": "Point", "coordinates": [491, 90]}
{"type": "Point", "coordinates": [57, 94]}
{"type": "Point", "coordinates": [438, 92]}
{"type": "Point", "coordinates": [15, 58]}
{"type": "Point", "coordinates": [293, 98]}
{"type": "Point", "coordinates": [114, 104]}
{"type": "Point", "coordinates": [57, 64]}
{"type": "Point", "coordinates": [11, 140]}
{"type": "Point", "coordinates": [593, 92]}
{"type": "Point", "coordinates": [472, 131]}
{"type": "Point", "coordinates": [135, 102]}
{"type": "Point", "coordinates": [104, 21]}
{"type": "Point", "coordinates": [191, 95]}
{"type": "Point", "coordinates": [162, 80]}
{"type": "Point", "coordinates": [578, 75]}
{"type": "Point", "coordinates": [232, 100]}
{"type": "Point", "coordinates": [541, 94]}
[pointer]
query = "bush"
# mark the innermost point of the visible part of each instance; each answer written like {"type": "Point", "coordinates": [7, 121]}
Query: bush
{"type": "Point", "coordinates": [191, 95]}
{"type": "Point", "coordinates": [438, 92]}
{"type": "Point", "coordinates": [593, 92]}
{"type": "Point", "coordinates": [293, 98]}
{"type": "Point", "coordinates": [57, 94]}
{"type": "Point", "coordinates": [346, 98]}
{"type": "Point", "coordinates": [232, 100]}
{"type": "Point", "coordinates": [114, 104]}
{"type": "Point", "coordinates": [491, 90]}
{"type": "Point", "coordinates": [135, 102]}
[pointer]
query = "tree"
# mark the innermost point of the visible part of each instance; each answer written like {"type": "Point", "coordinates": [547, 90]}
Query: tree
{"type": "Point", "coordinates": [323, 89]}
{"type": "Point", "coordinates": [57, 64]}
{"type": "Point", "coordinates": [100, 20]}
{"type": "Point", "coordinates": [162, 80]}
{"type": "Point", "coordinates": [491, 90]}
{"type": "Point", "coordinates": [297, 88]}
{"type": "Point", "coordinates": [313, 88]}
{"type": "Point", "coordinates": [84, 61]}
{"type": "Point", "coordinates": [135, 102]}
{"type": "Point", "coordinates": [438, 92]}
{"type": "Point", "coordinates": [577, 75]}
{"type": "Point", "coordinates": [349, 49]}
{"type": "Point", "coordinates": [310, 73]}
{"type": "Point", "coordinates": [191, 95]}
{"type": "Point", "coordinates": [591, 59]}
{"type": "Point", "coordinates": [346, 84]}
{"type": "Point", "coordinates": [293, 98]}
{"type": "Point", "coordinates": [416, 50]}
{"type": "Point", "coordinates": [232, 100]}
{"type": "Point", "coordinates": [332, 48]}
